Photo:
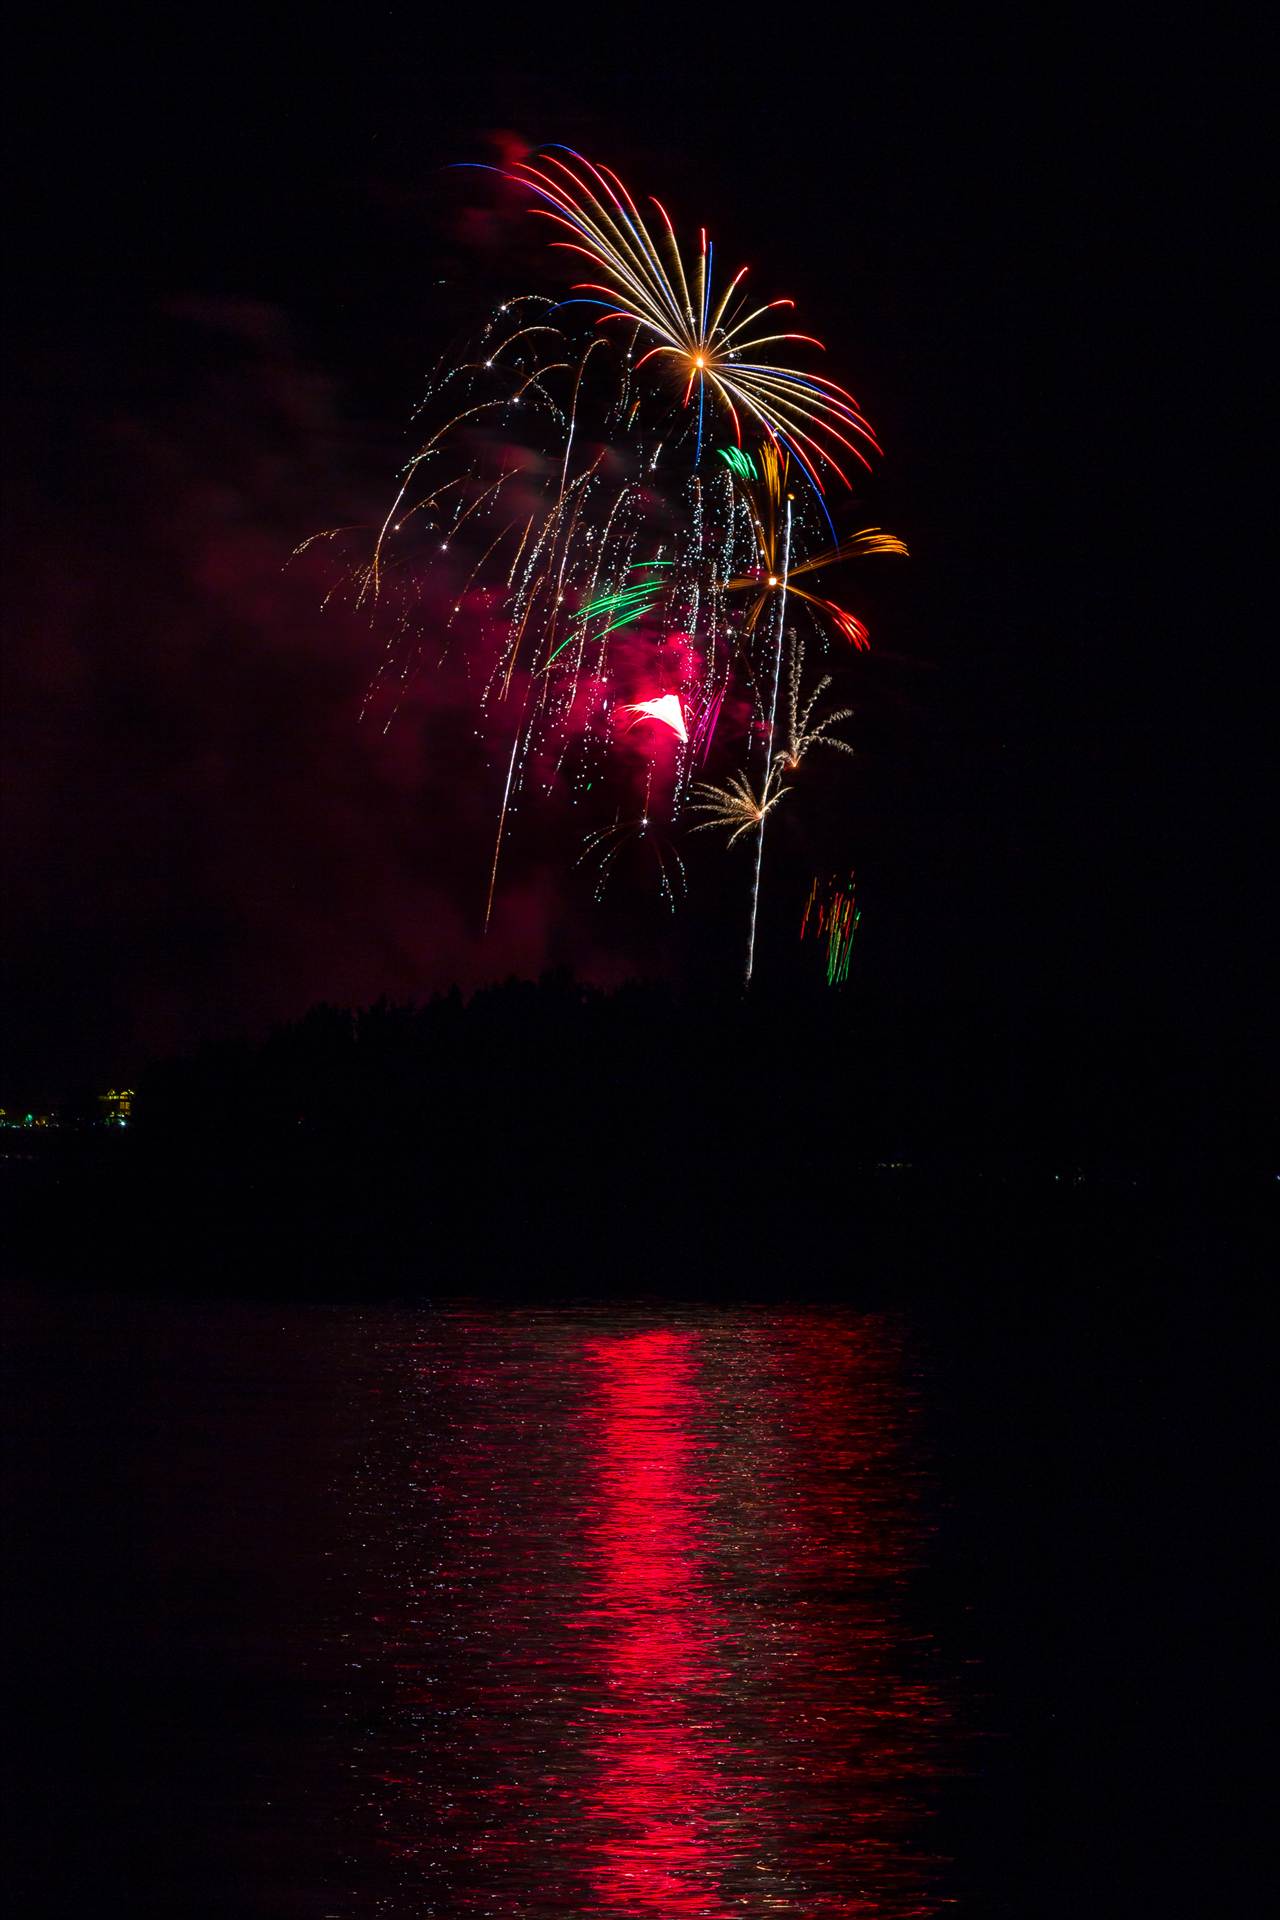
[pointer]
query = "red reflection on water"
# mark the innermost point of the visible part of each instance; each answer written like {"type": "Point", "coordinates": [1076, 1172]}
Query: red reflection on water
{"type": "Point", "coordinates": [638, 1638]}
{"type": "Point", "coordinates": [656, 1785]}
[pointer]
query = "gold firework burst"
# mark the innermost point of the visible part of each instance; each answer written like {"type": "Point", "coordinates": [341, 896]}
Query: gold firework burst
{"type": "Point", "coordinates": [737, 805]}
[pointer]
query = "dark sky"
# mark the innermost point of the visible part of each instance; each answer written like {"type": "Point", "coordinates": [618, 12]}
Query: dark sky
{"type": "Point", "coordinates": [236, 253]}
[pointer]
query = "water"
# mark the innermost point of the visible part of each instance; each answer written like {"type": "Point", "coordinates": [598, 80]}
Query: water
{"type": "Point", "coordinates": [628, 1605]}
{"type": "Point", "coordinates": [327, 1612]}
{"type": "Point", "coordinates": [407, 1612]}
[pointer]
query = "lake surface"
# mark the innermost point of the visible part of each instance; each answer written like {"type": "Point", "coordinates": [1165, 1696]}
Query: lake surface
{"type": "Point", "coordinates": [628, 1600]}
{"type": "Point", "coordinates": [691, 1611]}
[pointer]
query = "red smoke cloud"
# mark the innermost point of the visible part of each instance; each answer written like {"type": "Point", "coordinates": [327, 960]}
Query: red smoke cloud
{"type": "Point", "coordinates": [203, 833]}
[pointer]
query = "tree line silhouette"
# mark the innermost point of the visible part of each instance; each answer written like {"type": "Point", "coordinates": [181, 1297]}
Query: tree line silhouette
{"type": "Point", "coordinates": [555, 1127]}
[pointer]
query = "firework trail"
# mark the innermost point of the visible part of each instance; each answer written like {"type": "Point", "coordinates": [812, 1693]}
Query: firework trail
{"type": "Point", "coordinates": [773, 710]}
{"type": "Point", "coordinates": [497, 845]}
{"type": "Point", "coordinates": [597, 583]}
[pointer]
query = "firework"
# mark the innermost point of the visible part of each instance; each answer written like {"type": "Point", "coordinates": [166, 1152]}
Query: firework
{"type": "Point", "coordinates": [621, 608]}
{"type": "Point", "coordinates": [774, 765]}
{"type": "Point", "coordinates": [804, 732]}
{"type": "Point", "coordinates": [740, 462]}
{"type": "Point", "coordinates": [765, 490]}
{"type": "Point", "coordinates": [736, 804]}
{"type": "Point", "coordinates": [558, 538]}
{"type": "Point", "coordinates": [640, 835]}
{"type": "Point", "coordinates": [666, 709]}
{"type": "Point", "coordinates": [832, 914]}
{"type": "Point", "coordinates": [708, 340]}
{"type": "Point", "coordinates": [497, 845]}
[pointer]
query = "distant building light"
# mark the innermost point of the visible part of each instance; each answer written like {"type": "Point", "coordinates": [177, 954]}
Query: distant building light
{"type": "Point", "coordinates": [118, 1102]}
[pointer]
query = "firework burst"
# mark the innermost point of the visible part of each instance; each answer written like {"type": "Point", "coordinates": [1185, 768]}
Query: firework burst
{"type": "Point", "coordinates": [765, 490]}
{"type": "Point", "coordinates": [710, 340]}
{"type": "Point", "coordinates": [613, 605]}
{"type": "Point", "coordinates": [736, 805]}
{"type": "Point", "coordinates": [604, 848]}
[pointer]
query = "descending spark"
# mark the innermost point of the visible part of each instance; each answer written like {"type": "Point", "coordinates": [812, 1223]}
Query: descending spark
{"type": "Point", "coordinates": [665, 708]}
{"type": "Point", "coordinates": [605, 845]}
{"type": "Point", "coordinates": [502, 820]}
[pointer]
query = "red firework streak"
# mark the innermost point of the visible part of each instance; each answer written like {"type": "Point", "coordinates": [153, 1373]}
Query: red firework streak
{"type": "Point", "coordinates": [834, 913]}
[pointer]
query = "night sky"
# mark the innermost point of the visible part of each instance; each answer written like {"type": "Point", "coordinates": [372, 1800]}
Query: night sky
{"type": "Point", "coordinates": [237, 251]}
